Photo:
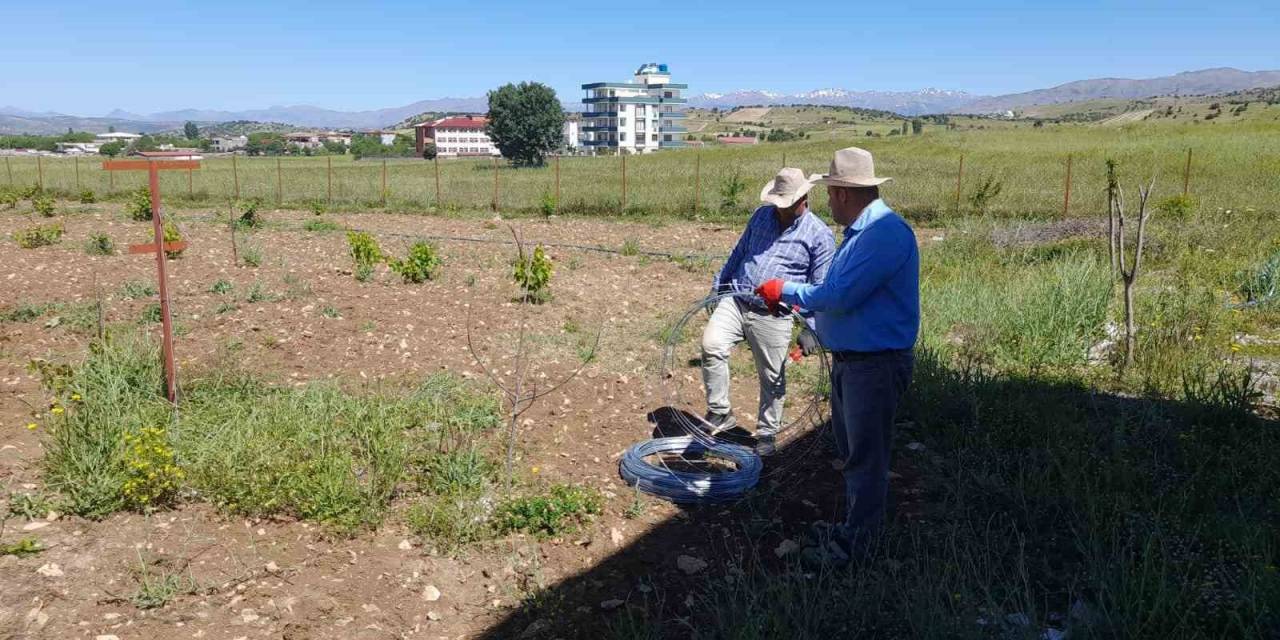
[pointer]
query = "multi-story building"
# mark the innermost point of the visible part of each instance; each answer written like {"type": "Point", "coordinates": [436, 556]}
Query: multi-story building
{"type": "Point", "coordinates": [456, 136]}
{"type": "Point", "coordinates": [640, 116]}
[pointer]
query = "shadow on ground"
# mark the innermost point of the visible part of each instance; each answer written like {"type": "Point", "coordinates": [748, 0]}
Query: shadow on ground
{"type": "Point", "coordinates": [1022, 506]}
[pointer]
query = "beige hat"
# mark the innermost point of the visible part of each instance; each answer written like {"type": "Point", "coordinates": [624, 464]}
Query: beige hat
{"type": "Point", "coordinates": [784, 190]}
{"type": "Point", "coordinates": [852, 167]}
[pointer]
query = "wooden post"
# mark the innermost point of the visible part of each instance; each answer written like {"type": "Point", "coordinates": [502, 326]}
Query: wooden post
{"type": "Point", "coordinates": [329, 173]}
{"type": "Point", "coordinates": [235, 251]}
{"type": "Point", "coordinates": [495, 184]}
{"type": "Point", "coordinates": [166, 319]}
{"type": "Point", "coordinates": [784, 158]}
{"type": "Point", "coordinates": [1066, 193]}
{"type": "Point", "coordinates": [77, 159]}
{"type": "Point", "coordinates": [624, 183]}
{"type": "Point", "coordinates": [557, 182]}
{"type": "Point", "coordinates": [959, 179]}
{"type": "Point", "coordinates": [384, 182]}
{"type": "Point", "coordinates": [235, 175]}
{"type": "Point", "coordinates": [436, 161]}
{"type": "Point", "coordinates": [40, 173]}
{"type": "Point", "coordinates": [279, 184]}
{"type": "Point", "coordinates": [1186, 176]}
{"type": "Point", "coordinates": [191, 187]}
{"type": "Point", "coordinates": [697, 181]}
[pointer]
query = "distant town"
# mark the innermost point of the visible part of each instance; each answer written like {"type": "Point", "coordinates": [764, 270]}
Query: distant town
{"type": "Point", "coordinates": [642, 115]}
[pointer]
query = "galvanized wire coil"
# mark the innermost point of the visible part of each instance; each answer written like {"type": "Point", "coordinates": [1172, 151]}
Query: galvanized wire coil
{"type": "Point", "coordinates": [687, 486]}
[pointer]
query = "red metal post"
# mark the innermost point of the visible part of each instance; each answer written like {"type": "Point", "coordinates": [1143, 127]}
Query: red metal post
{"type": "Point", "coordinates": [1066, 197]}
{"type": "Point", "coordinates": [436, 162]}
{"type": "Point", "coordinates": [1186, 176]}
{"type": "Point", "coordinates": [166, 320]}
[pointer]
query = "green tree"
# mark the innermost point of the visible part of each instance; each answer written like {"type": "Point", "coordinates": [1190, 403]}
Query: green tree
{"type": "Point", "coordinates": [111, 149]}
{"type": "Point", "coordinates": [917, 127]}
{"type": "Point", "coordinates": [145, 143]}
{"type": "Point", "coordinates": [191, 130]}
{"type": "Point", "coordinates": [525, 122]}
{"type": "Point", "coordinates": [429, 151]}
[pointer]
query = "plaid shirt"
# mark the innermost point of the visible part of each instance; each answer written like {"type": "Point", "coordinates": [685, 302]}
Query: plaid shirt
{"type": "Point", "coordinates": [800, 253]}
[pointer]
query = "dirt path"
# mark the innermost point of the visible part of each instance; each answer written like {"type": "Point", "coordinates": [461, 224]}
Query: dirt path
{"type": "Point", "coordinates": [312, 320]}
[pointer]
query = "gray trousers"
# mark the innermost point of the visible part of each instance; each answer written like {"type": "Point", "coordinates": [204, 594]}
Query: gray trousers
{"type": "Point", "coordinates": [864, 398]}
{"type": "Point", "coordinates": [769, 337]}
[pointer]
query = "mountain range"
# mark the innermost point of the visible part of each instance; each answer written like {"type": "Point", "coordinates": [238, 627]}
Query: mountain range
{"type": "Point", "coordinates": [1202, 82]}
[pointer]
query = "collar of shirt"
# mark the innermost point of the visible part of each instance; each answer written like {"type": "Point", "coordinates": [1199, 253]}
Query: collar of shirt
{"type": "Point", "coordinates": [872, 212]}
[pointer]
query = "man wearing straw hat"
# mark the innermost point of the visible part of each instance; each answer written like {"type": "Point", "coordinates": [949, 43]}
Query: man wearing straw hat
{"type": "Point", "coordinates": [868, 315]}
{"type": "Point", "coordinates": [782, 240]}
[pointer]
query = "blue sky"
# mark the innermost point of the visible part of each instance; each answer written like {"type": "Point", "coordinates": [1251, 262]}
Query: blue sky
{"type": "Point", "coordinates": [88, 58]}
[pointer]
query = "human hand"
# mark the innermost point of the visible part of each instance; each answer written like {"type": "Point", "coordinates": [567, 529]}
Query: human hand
{"type": "Point", "coordinates": [771, 292]}
{"type": "Point", "coordinates": [807, 342]}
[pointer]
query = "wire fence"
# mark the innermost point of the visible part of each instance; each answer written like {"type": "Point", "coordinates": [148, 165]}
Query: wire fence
{"type": "Point", "coordinates": [691, 183]}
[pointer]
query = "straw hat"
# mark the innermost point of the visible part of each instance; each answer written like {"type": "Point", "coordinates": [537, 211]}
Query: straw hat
{"type": "Point", "coordinates": [784, 190]}
{"type": "Point", "coordinates": [852, 167]}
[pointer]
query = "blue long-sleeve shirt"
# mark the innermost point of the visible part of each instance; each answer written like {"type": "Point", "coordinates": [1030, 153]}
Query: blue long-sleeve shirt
{"type": "Point", "coordinates": [870, 300]}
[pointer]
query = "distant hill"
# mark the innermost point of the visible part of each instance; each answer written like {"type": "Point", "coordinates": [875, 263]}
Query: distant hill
{"type": "Point", "coordinates": [903, 102]}
{"type": "Point", "coordinates": [1203, 82]}
{"type": "Point", "coordinates": [309, 116]}
{"type": "Point", "coordinates": [19, 122]}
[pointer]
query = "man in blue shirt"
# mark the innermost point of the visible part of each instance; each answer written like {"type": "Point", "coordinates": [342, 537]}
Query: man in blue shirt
{"type": "Point", "coordinates": [782, 240]}
{"type": "Point", "coordinates": [868, 316]}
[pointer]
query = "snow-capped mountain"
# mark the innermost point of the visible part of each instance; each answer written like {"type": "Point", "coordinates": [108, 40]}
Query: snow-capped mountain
{"type": "Point", "coordinates": [905, 102]}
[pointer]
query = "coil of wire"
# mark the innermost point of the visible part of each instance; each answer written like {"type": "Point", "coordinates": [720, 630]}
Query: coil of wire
{"type": "Point", "coordinates": [685, 486]}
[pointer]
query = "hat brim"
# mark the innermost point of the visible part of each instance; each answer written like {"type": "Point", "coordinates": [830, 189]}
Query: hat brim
{"type": "Point", "coordinates": [850, 181]}
{"type": "Point", "coordinates": [782, 201]}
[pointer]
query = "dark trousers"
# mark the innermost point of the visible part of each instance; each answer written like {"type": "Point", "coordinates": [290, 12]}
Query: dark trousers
{"type": "Point", "coordinates": [864, 396]}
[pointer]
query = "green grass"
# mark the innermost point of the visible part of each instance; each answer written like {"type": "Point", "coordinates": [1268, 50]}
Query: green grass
{"type": "Point", "coordinates": [562, 509]}
{"type": "Point", "coordinates": [1232, 169]}
{"type": "Point", "coordinates": [317, 452]}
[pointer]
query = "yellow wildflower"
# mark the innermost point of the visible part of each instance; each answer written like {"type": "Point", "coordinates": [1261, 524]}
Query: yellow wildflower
{"type": "Point", "coordinates": [31, 426]}
{"type": "Point", "coordinates": [57, 411]}
{"type": "Point", "coordinates": [75, 397]}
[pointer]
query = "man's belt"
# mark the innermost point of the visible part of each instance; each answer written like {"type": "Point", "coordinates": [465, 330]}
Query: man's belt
{"type": "Point", "coordinates": [857, 356]}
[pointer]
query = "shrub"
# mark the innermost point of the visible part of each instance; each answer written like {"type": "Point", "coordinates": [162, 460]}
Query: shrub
{"type": "Point", "coordinates": [630, 247]}
{"type": "Point", "coordinates": [249, 212]}
{"type": "Point", "coordinates": [421, 264]}
{"type": "Point", "coordinates": [317, 207]}
{"type": "Point", "coordinates": [987, 191]}
{"type": "Point", "coordinates": [1177, 207]}
{"type": "Point", "coordinates": [39, 236]}
{"type": "Point", "coordinates": [561, 510]}
{"type": "Point", "coordinates": [87, 196]}
{"type": "Point", "coordinates": [44, 204]}
{"type": "Point", "coordinates": [9, 197]}
{"type": "Point", "coordinates": [100, 244]}
{"type": "Point", "coordinates": [533, 274]}
{"type": "Point", "coordinates": [1262, 285]}
{"type": "Point", "coordinates": [172, 234]}
{"type": "Point", "coordinates": [152, 476]}
{"type": "Point", "coordinates": [221, 287]}
{"type": "Point", "coordinates": [365, 252]}
{"type": "Point", "coordinates": [138, 204]}
{"type": "Point", "coordinates": [731, 191]}
{"type": "Point", "coordinates": [27, 193]}
{"type": "Point", "coordinates": [548, 205]}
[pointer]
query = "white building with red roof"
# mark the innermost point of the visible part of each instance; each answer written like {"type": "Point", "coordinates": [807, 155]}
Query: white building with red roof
{"type": "Point", "coordinates": [456, 136]}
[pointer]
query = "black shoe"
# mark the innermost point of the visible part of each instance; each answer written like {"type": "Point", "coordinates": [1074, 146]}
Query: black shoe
{"type": "Point", "coordinates": [714, 423]}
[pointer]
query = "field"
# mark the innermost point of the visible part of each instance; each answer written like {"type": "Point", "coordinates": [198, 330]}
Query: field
{"type": "Point", "coordinates": [1233, 167]}
{"type": "Point", "coordinates": [338, 463]}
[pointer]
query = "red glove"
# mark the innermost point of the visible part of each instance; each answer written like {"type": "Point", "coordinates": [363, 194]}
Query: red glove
{"type": "Point", "coordinates": [771, 291]}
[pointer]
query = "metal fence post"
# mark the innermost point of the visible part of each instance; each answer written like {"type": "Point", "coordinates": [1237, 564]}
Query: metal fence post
{"type": "Point", "coordinates": [279, 184]}
{"type": "Point", "coordinates": [959, 179]}
{"type": "Point", "coordinates": [8, 169]}
{"type": "Point", "coordinates": [495, 184]}
{"type": "Point", "coordinates": [77, 159]}
{"type": "Point", "coordinates": [697, 181]}
{"type": "Point", "coordinates": [1066, 195]}
{"type": "Point", "coordinates": [329, 174]}
{"type": "Point", "coordinates": [235, 175]}
{"type": "Point", "coordinates": [1186, 177]}
{"type": "Point", "coordinates": [624, 182]}
{"type": "Point", "coordinates": [436, 161]}
{"type": "Point", "coordinates": [40, 173]}
{"type": "Point", "coordinates": [557, 182]}
{"type": "Point", "coordinates": [384, 182]}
